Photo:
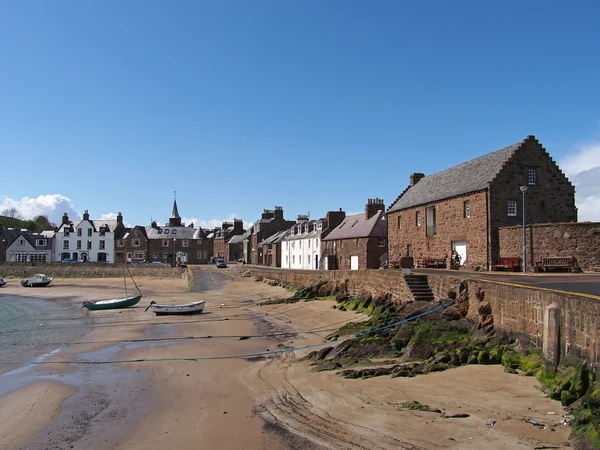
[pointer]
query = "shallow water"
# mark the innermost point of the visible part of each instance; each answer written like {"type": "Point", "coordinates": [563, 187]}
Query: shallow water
{"type": "Point", "coordinates": [31, 327]}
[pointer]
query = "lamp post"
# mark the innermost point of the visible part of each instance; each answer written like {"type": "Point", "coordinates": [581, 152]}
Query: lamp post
{"type": "Point", "coordinates": [524, 190]}
{"type": "Point", "coordinates": [173, 254]}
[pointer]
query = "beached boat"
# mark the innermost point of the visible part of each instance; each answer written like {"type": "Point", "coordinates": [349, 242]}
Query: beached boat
{"type": "Point", "coordinates": [112, 304]}
{"type": "Point", "coordinates": [38, 280]}
{"type": "Point", "coordinates": [2, 281]}
{"type": "Point", "coordinates": [116, 303]}
{"type": "Point", "coordinates": [186, 308]}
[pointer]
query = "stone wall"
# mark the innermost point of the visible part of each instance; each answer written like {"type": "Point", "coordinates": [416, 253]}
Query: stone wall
{"type": "Point", "coordinates": [578, 239]}
{"type": "Point", "coordinates": [366, 248]}
{"type": "Point", "coordinates": [517, 310]}
{"type": "Point", "coordinates": [88, 270]}
{"type": "Point", "coordinates": [451, 225]}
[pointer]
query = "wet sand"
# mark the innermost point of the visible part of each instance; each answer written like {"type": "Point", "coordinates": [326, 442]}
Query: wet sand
{"type": "Point", "coordinates": [180, 397]}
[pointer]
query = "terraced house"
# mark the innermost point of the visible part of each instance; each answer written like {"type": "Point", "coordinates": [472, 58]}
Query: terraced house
{"type": "Point", "coordinates": [462, 208]}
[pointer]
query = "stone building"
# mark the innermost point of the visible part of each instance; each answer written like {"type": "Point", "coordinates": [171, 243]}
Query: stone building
{"type": "Point", "coordinates": [176, 243]}
{"type": "Point", "coordinates": [359, 241]}
{"type": "Point", "coordinates": [463, 207]}
{"type": "Point", "coordinates": [269, 250]}
{"type": "Point", "coordinates": [132, 245]}
{"type": "Point", "coordinates": [270, 223]}
{"type": "Point", "coordinates": [223, 237]}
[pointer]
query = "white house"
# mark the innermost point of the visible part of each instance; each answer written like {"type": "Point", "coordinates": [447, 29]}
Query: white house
{"type": "Point", "coordinates": [301, 249]}
{"type": "Point", "coordinates": [87, 240]}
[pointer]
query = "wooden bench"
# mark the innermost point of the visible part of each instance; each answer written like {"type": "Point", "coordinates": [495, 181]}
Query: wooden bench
{"type": "Point", "coordinates": [432, 263]}
{"type": "Point", "coordinates": [512, 263]}
{"type": "Point", "coordinates": [547, 263]}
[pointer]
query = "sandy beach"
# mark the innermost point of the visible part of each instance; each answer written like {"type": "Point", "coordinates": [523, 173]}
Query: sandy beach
{"type": "Point", "coordinates": [174, 382]}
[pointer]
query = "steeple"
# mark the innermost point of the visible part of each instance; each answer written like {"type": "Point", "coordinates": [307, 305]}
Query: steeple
{"type": "Point", "coordinates": [175, 220]}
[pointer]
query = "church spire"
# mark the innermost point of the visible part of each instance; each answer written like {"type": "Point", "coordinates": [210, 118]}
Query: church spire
{"type": "Point", "coordinates": [175, 219]}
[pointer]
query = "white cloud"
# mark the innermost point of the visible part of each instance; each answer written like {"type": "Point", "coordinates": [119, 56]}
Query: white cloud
{"type": "Point", "coordinates": [112, 216]}
{"type": "Point", "coordinates": [51, 205]}
{"type": "Point", "coordinates": [213, 223]}
{"type": "Point", "coordinates": [583, 169]}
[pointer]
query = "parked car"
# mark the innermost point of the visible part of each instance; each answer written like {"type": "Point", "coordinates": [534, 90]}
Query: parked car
{"type": "Point", "coordinates": [221, 263]}
{"type": "Point", "coordinates": [69, 260]}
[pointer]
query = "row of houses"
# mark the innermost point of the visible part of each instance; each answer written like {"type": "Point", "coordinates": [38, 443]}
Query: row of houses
{"type": "Point", "coordinates": [457, 211]}
{"type": "Point", "coordinates": [460, 210]}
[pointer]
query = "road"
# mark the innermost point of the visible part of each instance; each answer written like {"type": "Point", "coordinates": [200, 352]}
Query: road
{"type": "Point", "coordinates": [208, 277]}
{"type": "Point", "coordinates": [580, 283]}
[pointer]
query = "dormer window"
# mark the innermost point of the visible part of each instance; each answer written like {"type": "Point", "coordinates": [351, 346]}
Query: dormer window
{"type": "Point", "coordinates": [66, 230]}
{"type": "Point", "coordinates": [159, 231]}
{"type": "Point", "coordinates": [166, 231]}
{"type": "Point", "coordinates": [174, 232]}
{"type": "Point", "coordinates": [102, 231]}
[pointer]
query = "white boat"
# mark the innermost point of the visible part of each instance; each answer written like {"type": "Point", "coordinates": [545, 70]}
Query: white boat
{"type": "Point", "coordinates": [187, 308]}
{"type": "Point", "coordinates": [2, 281]}
{"type": "Point", "coordinates": [38, 280]}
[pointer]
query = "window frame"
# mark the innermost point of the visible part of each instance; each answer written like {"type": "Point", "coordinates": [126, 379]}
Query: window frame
{"type": "Point", "coordinates": [511, 206]}
{"type": "Point", "coordinates": [531, 176]}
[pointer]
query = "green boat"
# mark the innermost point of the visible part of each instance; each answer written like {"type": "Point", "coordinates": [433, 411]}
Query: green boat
{"type": "Point", "coordinates": [112, 304]}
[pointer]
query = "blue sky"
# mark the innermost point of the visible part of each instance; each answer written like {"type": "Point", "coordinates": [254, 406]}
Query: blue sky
{"type": "Point", "coordinates": [243, 105]}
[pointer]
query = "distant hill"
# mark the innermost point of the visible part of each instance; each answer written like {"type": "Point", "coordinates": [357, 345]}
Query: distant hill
{"type": "Point", "coordinates": [37, 225]}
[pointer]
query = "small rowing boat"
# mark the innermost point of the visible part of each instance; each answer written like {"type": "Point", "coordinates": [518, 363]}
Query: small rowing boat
{"type": "Point", "coordinates": [112, 304]}
{"type": "Point", "coordinates": [186, 308]}
{"type": "Point", "coordinates": [2, 281]}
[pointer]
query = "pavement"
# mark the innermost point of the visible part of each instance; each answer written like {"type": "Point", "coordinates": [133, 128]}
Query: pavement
{"type": "Point", "coordinates": [208, 278]}
{"type": "Point", "coordinates": [587, 284]}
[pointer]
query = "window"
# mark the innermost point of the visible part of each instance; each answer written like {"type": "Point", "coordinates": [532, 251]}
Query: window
{"type": "Point", "coordinates": [138, 255]}
{"type": "Point", "coordinates": [21, 241]}
{"type": "Point", "coordinates": [174, 232]}
{"type": "Point", "coordinates": [135, 233]}
{"type": "Point", "coordinates": [65, 245]}
{"type": "Point", "coordinates": [102, 245]}
{"type": "Point", "coordinates": [309, 243]}
{"type": "Point", "coordinates": [89, 244]}
{"type": "Point", "coordinates": [199, 254]}
{"type": "Point", "coordinates": [121, 243]}
{"type": "Point", "coordinates": [418, 218]}
{"type": "Point", "coordinates": [431, 221]}
{"type": "Point", "coordinates": [381, 242]}
{"type": "Point", "coordinates": [102, 232]}
{"type": "Point", "coordinates": [79, 231]}
{"type": "Point", "coordinates": [37, 257]}
{"type": "Point", "coordinates": [399, 222]}
{"type": "Point", "coordinates": [165, 256]}
{"type": "Point", "coordinates": [185, 243]}
{"type": "Point", "coordinates": [155, 254]}
{"type": "Point", "coordinates": [166, 231]}
{"type": "Point", "coordinates": [136, 242]}
{"type": "Point", "coordinates": [467, 209]}
{"type": "Point", "coordinates": [293, 259]}
{"type": "Point", "coordinates": [89, 232]}
{"type": "Point", "coordinates": [165, 243]}
{"type": "Point", "coordinates": [40, 242]}
{"type": "Point", "coordinates": [78, 245]}
{"type": "Point", "coordinates": [512, 208]}
{"type": "Point", "coordinates": [357, 243]}
{"type": "Point", "coordinates": [159, 231]}
{"type": "Point", "coordinates": [101, 257]}
{"type": "Point", "coordinates": [67, 232]}
{"type": "Point", "coordinates": [531, 175]}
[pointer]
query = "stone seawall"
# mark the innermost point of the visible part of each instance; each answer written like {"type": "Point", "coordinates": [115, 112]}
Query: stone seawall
{"type": "Point", "coordinates": [88, 270]}
{"type": "Point", "coordinates": [571, 331]}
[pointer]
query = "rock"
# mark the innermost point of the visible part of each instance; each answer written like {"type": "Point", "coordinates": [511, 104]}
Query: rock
{"type": "Point", "coordinates": [324, 291]}
{"type": "Point", "coordinates": [484, 308]}
{"type": "Point", "coordinates": [246, 273]}
{"type": "Point", "coordinates": [259, 278]}
{"type": "Point", "coordinates": [341, 297]}
{"type": "Point", "coordinates": [488, 322]}
{"type": "Point", "coordinates": [452, 313]}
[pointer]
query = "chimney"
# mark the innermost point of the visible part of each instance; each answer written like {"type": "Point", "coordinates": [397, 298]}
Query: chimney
{"type": "Point", "coordinates": [268, 214]}
{"type": "Point", "coordinates": [86, 215]}
{"type": "Point", "coordinates": [415, 177]}
{"type": "Point", "coordinates": [373, 205]}
{"type": "Point", "coordinates": [278, 212]}
{"type": "Point", "coordinates": [238, 226]}
{"type": "Point", "coordinates": [120, 218]}
{"type": "Point", "coordinates": [225, 225]}
{"type": "Point", "coordinates": [153, 225]}
{"type": "Point", "coordinates": [334, 218]}
{"type": "Point", "coordinates": [302, 218]}
{"type": "Point", "coordinates": [65, 219]}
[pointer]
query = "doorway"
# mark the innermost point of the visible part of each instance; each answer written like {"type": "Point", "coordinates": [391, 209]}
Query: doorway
{"type": "Point", "coordinates": [461, 249]}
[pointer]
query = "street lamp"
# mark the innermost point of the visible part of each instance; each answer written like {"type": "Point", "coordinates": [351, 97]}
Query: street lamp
{"type": "Point", "coordinates": [524, 190]}
{"type": "Point", "coordinates": [173, 254]}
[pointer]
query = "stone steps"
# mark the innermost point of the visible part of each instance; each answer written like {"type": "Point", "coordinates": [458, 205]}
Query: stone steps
{"type": "Point", "coordinates": [419, 287]}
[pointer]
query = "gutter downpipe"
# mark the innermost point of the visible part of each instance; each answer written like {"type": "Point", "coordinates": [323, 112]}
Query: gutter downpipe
{"type": "Point", "coordinates": [487, 226]}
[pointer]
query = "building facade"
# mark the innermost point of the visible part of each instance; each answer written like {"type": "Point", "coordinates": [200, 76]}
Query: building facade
{"type": "Point", "coordinates": [270, 223]}
{"type": "Point", "coordinates": [87, 240]}
{"type": "Point", "coordinates": [222, 238]}
{"type": "Point", "coordinates": [23, 246]}
{"type": "Point", "coordinates": [359, 241]}
{"type": "Point", "coordinates": [462, 208]}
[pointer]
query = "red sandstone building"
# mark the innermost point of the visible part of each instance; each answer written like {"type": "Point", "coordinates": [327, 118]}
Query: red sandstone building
{"type": "Point", "coordinates": [270, 223]}
{"type": "Point", "coordinates": [359, 242]}
{"type": "Point", "coordinates": [462, 208]}
{"type": "Point", "coordinates": [227, 243]}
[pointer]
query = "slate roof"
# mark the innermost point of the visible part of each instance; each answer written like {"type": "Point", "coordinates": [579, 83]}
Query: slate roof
{"type": "Point", "coordinates": [160, 233]}
{"type": "Point", "coordinates": [275, 239]}
{"type": "Point", "coordinates": [470, 176]}
{"type": "Point", "coordinates": [358, 226]}
{"type": "Point", "coordinates": [236, 239]}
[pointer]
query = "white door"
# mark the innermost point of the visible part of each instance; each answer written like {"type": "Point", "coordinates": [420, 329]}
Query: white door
{"type": "Point", "coordinates": [354, 263]}
{"type": "Point", "coordinates": [461, 249]}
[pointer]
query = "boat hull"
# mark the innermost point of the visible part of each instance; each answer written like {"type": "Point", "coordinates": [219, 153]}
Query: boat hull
{"type": "Point", "coordinates": [28, 283]}
{"type": "Point", "coordinates": [188, 308]}
{"type": "Point", "coordinates": [2, 282]}
{"type": "Point", "coordinates": [112, 304]}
